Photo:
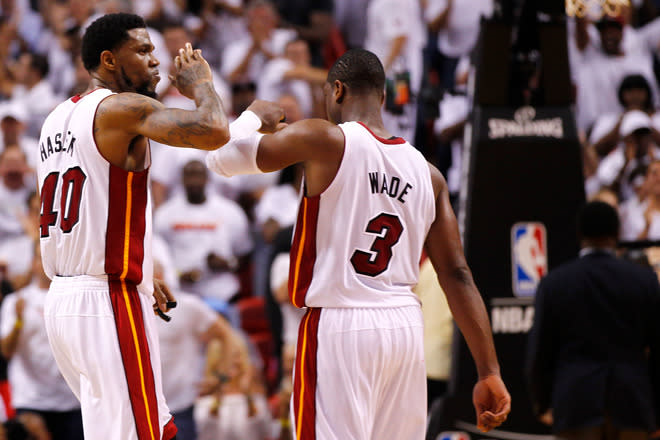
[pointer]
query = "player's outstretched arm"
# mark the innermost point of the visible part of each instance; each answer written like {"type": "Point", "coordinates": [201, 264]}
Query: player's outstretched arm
{"type": "Point", "coordinates": [203, 128]}
{"type": "Point", "coordinates": [443, 245]}
{"type": "Point", "coordinates": [317, 143]}
{"type": "Point", "coordinates": [308, 140]}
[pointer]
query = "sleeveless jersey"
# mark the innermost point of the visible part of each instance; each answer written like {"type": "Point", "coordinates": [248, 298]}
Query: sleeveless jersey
{"type": "Point", "coordinates": [95, 217]}
{"type": "Point", "coordinates": [358, 243]}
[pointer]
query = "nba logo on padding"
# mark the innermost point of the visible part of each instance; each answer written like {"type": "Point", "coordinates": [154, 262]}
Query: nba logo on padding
{"type": "Point", "coordinates": [529, 257]}
{"type": "Point", "coordinates": [453, 435]}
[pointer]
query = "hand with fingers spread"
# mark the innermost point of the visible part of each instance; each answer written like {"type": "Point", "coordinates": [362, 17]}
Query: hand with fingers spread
{"type": "Point", "coordinates": [270, 113]}
{"type": "Point", "coordinates": [492, 402]}
{"type": "Point", "coordinates": [190, 70]}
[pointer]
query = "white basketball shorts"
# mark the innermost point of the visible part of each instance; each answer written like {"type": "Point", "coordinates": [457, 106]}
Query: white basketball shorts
{"type": "Point", "coordinates": [104, 340]}
{"type": "Point", "coordinates": [360, 375]}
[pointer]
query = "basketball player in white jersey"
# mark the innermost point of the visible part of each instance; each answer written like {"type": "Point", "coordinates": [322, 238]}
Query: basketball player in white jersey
{"type": "Point", "coordinates": [371, 203]}
{"type": "Point", "coordinates": [96, 223]}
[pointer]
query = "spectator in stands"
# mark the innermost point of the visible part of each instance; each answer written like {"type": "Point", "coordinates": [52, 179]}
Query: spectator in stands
{"type": "Point", "coordinates": [159, 10]}
{"type": "Point", "coordinates": [637, 150]}
{"type": "Point", "coordinates": [60, 42]}
{"type": "Point", "coordinates": [176, 35]}
{"type": "Point", "coordinates": [283, 396]}
{"type": "Point", "coordinates": [641, 220]}
{"type": "Point", "coordinates": [278, 205]}
{"type": "Point", "coordinates": [243, 61]}
{"type": "Point", "coordinates": [606, 195]}
{"type": "Point", "coordinates": [634, 94]}
{"type": "Point", "coordinates": [208, 235]}
{"type": "Point", "coordinates": [312, 20]}
{"type": "Point", "coordinates": [25, 426]}
{"type": "Point", "coordinates": [291, 315]}
{"type": "Point", "coordinates": [13, 126]}
{"type": "Point", "coordinates": [456, 23]}
{"type": "Point", "coordinates": [349, 17]}
{"type": "Point", "coordinates": [454, 111]}
{"type": "Point", "coordinates": [604, 56]}
{"type": "Point", "coordinates": [37, 385]}
{"type": "Point", "coordinates": [15, 186]}
{"type": "Point", "coordinates": [438, 331]}
{"type": "Point", "coordinates": [293, 74]}
{"type": "Point", "coordinates": [222, 23]}
{"type": "Point", "coordinates": [236, 409]}
{"type": "Point", "coordinates": [168, 162]}
{"type": "Point", "coordinates": [593, 349]}
{"type": "Point", "coordinates": [395, 34]}
{"type": "Point", "coordinates": [182, 347]}
{"type": "Point", "coordinates": [32, 89]}
{"type": "Point", "coordinates": [18, 252]}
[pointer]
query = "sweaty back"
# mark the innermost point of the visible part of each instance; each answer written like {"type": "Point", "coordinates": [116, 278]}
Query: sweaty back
{"type": "Point", "coordinates": [358, 243]}
{"type": "Point", "coordinates": [96, 217]}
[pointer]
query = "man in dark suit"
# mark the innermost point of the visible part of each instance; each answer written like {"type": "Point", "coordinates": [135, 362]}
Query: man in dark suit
{"type": "Point", "coordinates": [592, 355]}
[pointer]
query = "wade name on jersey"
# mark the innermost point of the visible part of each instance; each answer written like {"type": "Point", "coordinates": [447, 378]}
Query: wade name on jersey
{"type": "Point", "coordinates": [380, 184]}
{"type": "Point", "coordinates": [57, 145]}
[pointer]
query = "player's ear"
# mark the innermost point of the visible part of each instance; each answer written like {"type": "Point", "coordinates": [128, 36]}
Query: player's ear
{"type": "Point", "coordinates": [108, 60]}
{"type": "Point", "coordinates": [339, 91]}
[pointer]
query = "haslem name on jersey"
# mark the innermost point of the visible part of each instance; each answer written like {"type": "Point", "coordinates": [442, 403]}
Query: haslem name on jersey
{"type": "Point", "coordinates": [57, 145]}
{"type": "Point", "coordinates": [380, 184]}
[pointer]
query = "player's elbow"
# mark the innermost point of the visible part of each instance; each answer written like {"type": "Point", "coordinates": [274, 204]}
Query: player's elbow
{"type": "Point", "coordinates": [217, 134]}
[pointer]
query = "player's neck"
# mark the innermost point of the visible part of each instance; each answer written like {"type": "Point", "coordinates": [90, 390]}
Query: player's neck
{"type": "Point", "coordinates": [98, 82]}
{"type": "Point", "coordinates": [367, 111]}
{"type": "Point", "coordinates": [375, 124]}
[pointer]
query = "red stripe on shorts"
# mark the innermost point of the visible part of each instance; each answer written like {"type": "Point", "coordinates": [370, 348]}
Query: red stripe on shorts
{"type": "Point", "coordinates": [303, 250]}
{"type": "Point", "coordinates": [136, 358]}
{"type": "Point", "coordinates": [304, 383]}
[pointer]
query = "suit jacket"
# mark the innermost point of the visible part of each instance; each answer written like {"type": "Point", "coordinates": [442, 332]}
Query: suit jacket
{"type": "Point", "coordinates": [594, 346]}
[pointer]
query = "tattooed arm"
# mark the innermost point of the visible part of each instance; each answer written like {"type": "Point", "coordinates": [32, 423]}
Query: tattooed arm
{"type": "Point", "coordinates": [123, 117]}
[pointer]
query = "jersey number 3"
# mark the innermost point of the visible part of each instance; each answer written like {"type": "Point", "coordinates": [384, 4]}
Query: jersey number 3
{"type": "Point", "coordinates": [72, 185]}
{"type": "Point", "coordinates": [389, 229]}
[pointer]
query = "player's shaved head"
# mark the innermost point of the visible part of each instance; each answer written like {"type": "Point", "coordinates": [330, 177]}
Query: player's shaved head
{"type": "Point", "coordinates": [360, 70]}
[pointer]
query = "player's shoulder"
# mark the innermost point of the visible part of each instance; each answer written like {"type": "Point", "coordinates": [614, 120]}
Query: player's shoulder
{"type": "Point", "coordinates": [60, 109]}
{"type": "Point", "coordinates": [437, 179]}
{"type": "Point", "coordinates": [126, 106]}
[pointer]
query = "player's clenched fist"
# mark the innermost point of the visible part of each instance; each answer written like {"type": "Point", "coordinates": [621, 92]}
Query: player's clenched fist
{"type": "Point", "coordinates": [492, 402]}
{"type": "Point", "coordinates": [270, 113]}
{"type": "Point", "coordinates": [190, 70]}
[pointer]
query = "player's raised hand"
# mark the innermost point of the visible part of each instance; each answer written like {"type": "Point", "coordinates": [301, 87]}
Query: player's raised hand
{"type": "Point", "coordinates": [492, 402]}
{"type": "Point", "coordinates": [190, 70]}
{"type": "Point", "coordinates": [270, 113]}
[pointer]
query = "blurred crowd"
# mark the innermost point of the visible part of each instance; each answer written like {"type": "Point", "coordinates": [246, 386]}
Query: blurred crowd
{"type": "Point", "coordinates": [221, 244]}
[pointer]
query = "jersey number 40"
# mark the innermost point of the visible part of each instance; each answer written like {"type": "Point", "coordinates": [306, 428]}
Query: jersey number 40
{"type": "Point", "coordinates": [73, 181]}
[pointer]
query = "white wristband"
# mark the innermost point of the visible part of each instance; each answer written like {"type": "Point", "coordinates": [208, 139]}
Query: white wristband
{"type": "Point", "coordinates": [238, 156]}
{"type": "Point", "coordinates": [246, 124]}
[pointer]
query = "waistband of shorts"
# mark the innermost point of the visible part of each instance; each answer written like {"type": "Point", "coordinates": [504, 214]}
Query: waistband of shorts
{"type": "Point", "coordinates": [89, 281]}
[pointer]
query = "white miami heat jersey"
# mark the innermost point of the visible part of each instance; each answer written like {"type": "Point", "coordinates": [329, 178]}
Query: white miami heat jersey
{"type": "Point", "coordinates": [358, 243]}
{"type": "Point", "coordinates": [95, 217]}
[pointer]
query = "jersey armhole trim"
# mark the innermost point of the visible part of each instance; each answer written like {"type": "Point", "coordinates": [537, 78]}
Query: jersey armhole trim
{"type": "Point", "coordinates": [334, 178]}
